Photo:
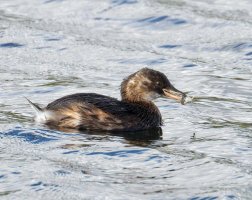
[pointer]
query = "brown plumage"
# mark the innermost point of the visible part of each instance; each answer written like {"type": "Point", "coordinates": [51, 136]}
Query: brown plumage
{"type": "Point", "coordinates": [91, 111]}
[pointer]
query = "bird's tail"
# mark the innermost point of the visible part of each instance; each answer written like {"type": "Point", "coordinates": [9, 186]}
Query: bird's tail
{"type": "Point", "coordinates": [35, 107]}
{"type": "Point", "coordinates": [42, 115]}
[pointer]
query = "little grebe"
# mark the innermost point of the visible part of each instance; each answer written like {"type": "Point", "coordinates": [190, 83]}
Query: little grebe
{"type": "Point", "coordinates": [91, 111]}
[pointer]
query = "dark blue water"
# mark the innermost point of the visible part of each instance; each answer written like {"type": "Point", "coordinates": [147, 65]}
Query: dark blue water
{"type": "Point", "coordinates": [50, 48]}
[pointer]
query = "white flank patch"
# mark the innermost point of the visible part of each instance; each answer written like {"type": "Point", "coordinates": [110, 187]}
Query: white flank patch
{"type": "Point", "coordinates": [44, 116]}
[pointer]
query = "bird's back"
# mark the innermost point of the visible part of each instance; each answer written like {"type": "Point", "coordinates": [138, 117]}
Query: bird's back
{"type": "Point", "coordinates": [99, 112]}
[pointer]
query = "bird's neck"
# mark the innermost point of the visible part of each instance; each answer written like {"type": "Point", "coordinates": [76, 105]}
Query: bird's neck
{"type": "Point", "coordinates": [147, 110]}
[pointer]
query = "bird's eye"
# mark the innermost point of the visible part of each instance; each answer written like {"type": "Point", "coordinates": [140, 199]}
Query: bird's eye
{"type": "Point", "coordinates": [158, 83]}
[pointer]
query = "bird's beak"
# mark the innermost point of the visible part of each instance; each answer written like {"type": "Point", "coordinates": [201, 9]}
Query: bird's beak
{"type": "Point", "coordinates": [173, 93]}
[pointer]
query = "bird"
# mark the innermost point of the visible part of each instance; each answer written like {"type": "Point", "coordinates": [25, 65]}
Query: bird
{"type": "Point", "coordinates": [134, 112]}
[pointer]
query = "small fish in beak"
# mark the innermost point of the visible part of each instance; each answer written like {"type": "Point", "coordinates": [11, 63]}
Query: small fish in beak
{"type": "Point", "coordinates": [173, 93]}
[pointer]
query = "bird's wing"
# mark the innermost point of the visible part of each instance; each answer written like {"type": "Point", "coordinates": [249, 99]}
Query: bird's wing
{"type": "Point", "coordinates": [93, 111]}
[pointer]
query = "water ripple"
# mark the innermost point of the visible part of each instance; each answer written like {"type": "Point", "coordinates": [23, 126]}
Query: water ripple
{"type": "Point", "coordinates": [11, 45]}
{"type": "Point", "coordinates": [122, 153]}
{"type": "Point", "coordinates": [35, 136]}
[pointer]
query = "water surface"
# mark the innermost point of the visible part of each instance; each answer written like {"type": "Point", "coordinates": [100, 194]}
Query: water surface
{"type": "Point", "coordinates": [50, 48]}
